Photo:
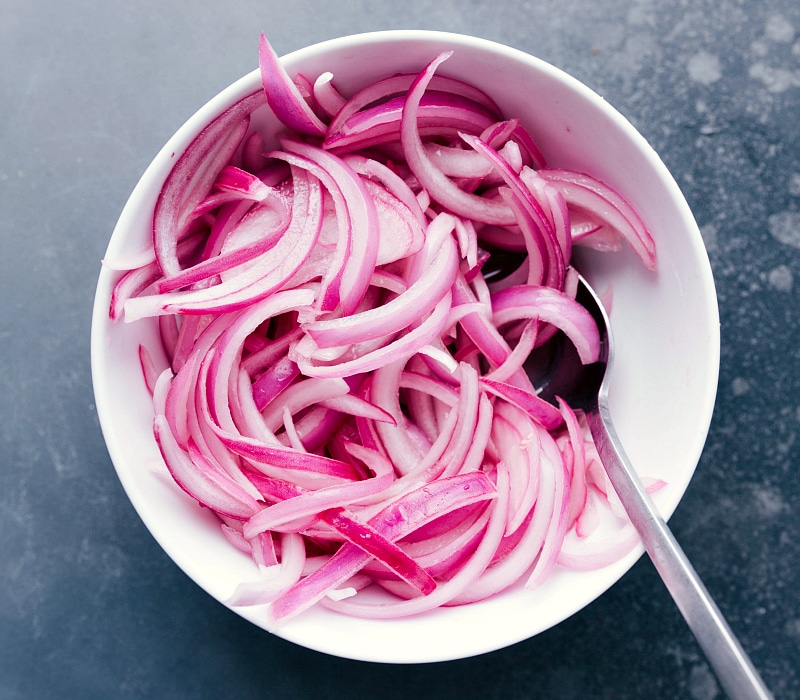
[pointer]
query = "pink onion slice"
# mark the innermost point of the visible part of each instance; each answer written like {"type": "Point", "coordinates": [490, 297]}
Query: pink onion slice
{"type": "Point", "coordinates": [283, 96]}
{"type": "Point", "coordinates": [395, 85]}
{"type": "Point", "coordinates": [191, 177]}
{"type": "Point", "coordinates": [200, 480]}
{"type": "Point", "coordinates": [415, 303]}
{"type": "Point", "coordinates": [401, 348]}
{"type": "Point", "coordinates": [259, 219]}
{"type": "Point", "coordinates": [363, 221]}
{"type": "Point", "coordinates": [440, 187]}
{"type": "Point", "coordinates": [440, 114]}
{"type": "Point", "coordinates": [361, 535]}
{"type": "Point", "coordinates": [445, 592]}
{"type": "Point", "coordinates": [266, 275]}
{"type": "Point", "coordinates": [400, 518]}
{"type": "Point", "coordinates": [589, 194]}
{"type": "Point", "coordinates": [276, 578]}
{"type": "Point", "coordinates": [551, 306]}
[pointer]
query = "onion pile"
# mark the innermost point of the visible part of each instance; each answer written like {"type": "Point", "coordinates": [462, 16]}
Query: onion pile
{"type": "Point", "coordinates": [348, 385]}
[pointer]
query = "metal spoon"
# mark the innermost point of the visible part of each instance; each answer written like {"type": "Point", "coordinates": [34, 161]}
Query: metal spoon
{"type": "Point", "coordinates": [586, 387]}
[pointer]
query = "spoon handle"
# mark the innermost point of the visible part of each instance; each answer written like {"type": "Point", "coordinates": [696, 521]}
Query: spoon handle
{"type": "Point", "coordinates": [733, 668]}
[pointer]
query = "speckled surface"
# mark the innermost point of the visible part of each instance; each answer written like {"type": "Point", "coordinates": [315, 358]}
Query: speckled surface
{"type": "Point", "coordinates": [90, 607]}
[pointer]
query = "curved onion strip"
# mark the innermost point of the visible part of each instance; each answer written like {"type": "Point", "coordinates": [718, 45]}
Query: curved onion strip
{"type": "Point", "coordinates": [399, 519]}
{"type": "Point", "coordinates": [271, 383]}
{"type": "Point", "coordinates": [357, 246]}
{"type": "Point", "coordinates": [272, 459]}
{"type": "Point", "coordinates": [359, 534]}
{"type": "Point", "coordinates": [440, 187]}
{"type": "Point", "coordinates": [382, 550]}
{"type": "Point", "coordinates": [530, 538]}
{"type": "Point", "coordinates": [241, 182]}
{"type": "Point", "coordinates": [582, 556]}
{"type": "Point", "coordinates": [398, 439]}
{"type": "Point", "coordinates": [326, 95]}
{"type": "Point", "coordinates": [277, 516]}
{"type": "Point", "coordinates": [416, 302]}
{"type": "Point", "coordinates": [193, 174]}
{"type": "Point", "coordinates": [439, 114]}
{"type": "Point", "coordinates": [529, 213]}
{"type": "Point", "coordinates": [223, 370]}
{"type": "Point", "coordinates": [275, 579]}
{"type": "Point", "coordinates": [577, 488]}
{"type": "Point", "coordinates": [362, 216]}
{"type": "Point", "coordinates": [282, 94]}
{"type": "Point", "coordinates": [137, 280]}
{"type": "Point", "coordinates": [403, 347]}
{"type": "Point", "coordinates": [259, 220]}
{"type": "Point", "coordinates": [479, 327]}
{"type": "Point", "coordinates": [544, 413]}
{"type": "Point", "coordinates": [585, 192]}
{"type": "Point", "coordinates": [557, 527]}
{"type": "Point", "coordinates": [200, 480]}
{"type": "Point", "coordinates": [379, 172]}
{"type": "Point", "coordinates": [386, 88]}
{"type": "Point", "coordinates": [521, 455]}
{"type": "Point", "coordinates": [353, 405]}
{"type": "Point", "coordinates": [554, 204]}
{"type": "Point", "coordinates": [446, 551]}
{"type": "Point", "coordinates": [551, 306]}
{"type": "Point", "coordinates": [446, 591]}
{"type": "Point", "coordinates": [266, 275]}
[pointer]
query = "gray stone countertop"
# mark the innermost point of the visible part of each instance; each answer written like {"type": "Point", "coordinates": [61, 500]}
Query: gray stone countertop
{"type": "Point", "coordinates": [91, 607]}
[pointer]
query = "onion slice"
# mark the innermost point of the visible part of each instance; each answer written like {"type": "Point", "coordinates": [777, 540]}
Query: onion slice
{"type": "Point", "coordinates": [440, 187]}
{"type": "Point", "coordinates": [282, 94]}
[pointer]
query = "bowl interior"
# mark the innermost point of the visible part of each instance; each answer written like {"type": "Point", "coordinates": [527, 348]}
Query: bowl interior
{"type": "Point", "coordinates": [665, 323]}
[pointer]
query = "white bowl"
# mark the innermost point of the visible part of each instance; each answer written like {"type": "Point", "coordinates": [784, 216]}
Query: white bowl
{"type": "Point", "coordinates": [666, 326]}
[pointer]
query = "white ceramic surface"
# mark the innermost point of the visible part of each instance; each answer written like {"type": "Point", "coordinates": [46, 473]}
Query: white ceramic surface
{"type": "Point", "coordinates": [666, 326]}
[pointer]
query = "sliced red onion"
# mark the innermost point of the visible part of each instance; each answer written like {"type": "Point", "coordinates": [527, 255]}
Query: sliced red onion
{"type": "Point", "coordinates": [557, 527]}
{"type": "Point", "coordinates": [410, 306]}
{"type": "Point", "coordinates": [279, 515]}
{"type": "Point", "coordinates": [398, 519]}
{"type": "Point", "coordinates": [283, 96]}
{"type": "Point", "coordinates": [577, 485]}
{"type": "Point", "coordinates": [200, 480]}
{"type": "Point", "coordinates": [400, 233]}
{"type": "Point", "coordinates": [357, 249]}
{"type": "Point", "coordinates": [440, 114]}
{"type": "Point", "coordinates": [344, 375]}
{"type": "Point", "coordinates": [274, 579]}
{"type": "Point", "coordinates": [538, 409]}
{"type": "Point", "coordinates": [551, 306]}
{"type": "Point", "coordinates": [326, 95]}
{"type": "Point", "coordinates": [192, 176]}
{"type": "Point", "coordinates": [237, 181]}
{"type": "Point", "coordinates": [401, 348]}
{"type": "Point", "coordinates": [440, 187]}
{"type": "Point", "coordinates": [260, 279]}
{"type": "Point", "coordinates": [584, 192]}
{"type": "Point", "coordinates": [446, 591]}
{"type": "Point", "coordinates": [385, 89]}
{"type": "Point", "coordinates": [260, 219]}
{"type": "Point", "coordinates": [272, 382]}
{"type": "Point", "coordinates": [598, 554]}
{"type": "Point", "coordinates": [541, 239]}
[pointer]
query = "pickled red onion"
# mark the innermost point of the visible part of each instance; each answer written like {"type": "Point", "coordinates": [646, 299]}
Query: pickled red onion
{"type": "Point", "coordinates": [344, 385]}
